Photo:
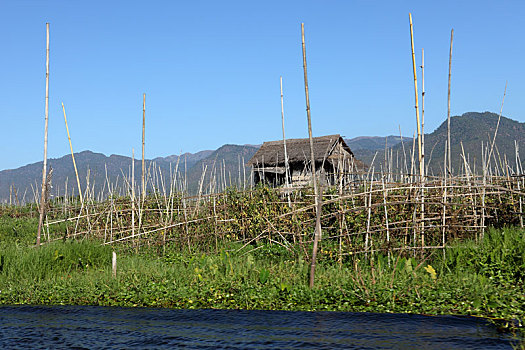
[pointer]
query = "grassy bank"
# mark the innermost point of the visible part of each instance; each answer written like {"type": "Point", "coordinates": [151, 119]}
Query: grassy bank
{"type": "Point", "coordinates": [485, 279]}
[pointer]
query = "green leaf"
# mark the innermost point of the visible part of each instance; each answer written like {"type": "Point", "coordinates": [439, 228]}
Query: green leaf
{"type": "Point", "coordinates": [263, 276]}
{"type": "Point", "coordinates": [408, 266]}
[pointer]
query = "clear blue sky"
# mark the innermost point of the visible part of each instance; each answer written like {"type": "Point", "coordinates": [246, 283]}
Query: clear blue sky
{"type": "Point", "coordinates": [211, 70]}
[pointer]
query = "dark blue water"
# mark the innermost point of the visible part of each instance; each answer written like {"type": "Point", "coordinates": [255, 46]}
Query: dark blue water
{"type": "Point", "coordinates": [91, 327]}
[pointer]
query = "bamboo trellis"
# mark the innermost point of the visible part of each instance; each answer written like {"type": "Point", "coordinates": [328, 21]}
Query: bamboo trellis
{"type": "Point", "coordinates": [363, 212]}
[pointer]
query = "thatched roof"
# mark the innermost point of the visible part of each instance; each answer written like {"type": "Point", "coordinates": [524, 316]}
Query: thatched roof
{"type": "Point", "coordinates": [272, 153]}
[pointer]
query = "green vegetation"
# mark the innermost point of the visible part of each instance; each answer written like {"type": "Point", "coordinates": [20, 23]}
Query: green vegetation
{"type": "Point", "coordinates": [482, 279]}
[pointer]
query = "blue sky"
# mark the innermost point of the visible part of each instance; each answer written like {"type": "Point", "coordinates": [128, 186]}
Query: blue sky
{"type": "Point", "coordinates": [210, 70]}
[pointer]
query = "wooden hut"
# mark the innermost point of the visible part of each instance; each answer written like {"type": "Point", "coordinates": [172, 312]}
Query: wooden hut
{"type": "Point", "coordinates": [332, 155]}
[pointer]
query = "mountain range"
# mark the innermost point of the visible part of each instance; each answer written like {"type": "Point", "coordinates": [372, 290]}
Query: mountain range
{"type": "Point", "coordinates": [225, 164]}
{"type": "Point", "coordinates": [472, 130]}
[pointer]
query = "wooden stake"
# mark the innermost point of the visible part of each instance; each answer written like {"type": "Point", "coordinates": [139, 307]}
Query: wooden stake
{"type": "Point", "coordinates": [44, 170]}
{"type": "Point", "coordinates": [114, 264]}
{"type": "Point", "coordinates": [317, 198]}
{"type": "Point", "coordinates": [448, 109]}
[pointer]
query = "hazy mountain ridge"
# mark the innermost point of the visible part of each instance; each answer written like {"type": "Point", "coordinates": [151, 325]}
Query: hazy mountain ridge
{"type": "Point", "coordinates": [372, 143]}
{"type": "Point", "coordinates": [226, 162]}
{"type": "Point", "coordinates": [188, 159]}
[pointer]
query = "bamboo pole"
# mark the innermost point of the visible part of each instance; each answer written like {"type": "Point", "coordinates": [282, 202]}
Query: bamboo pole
{"type": "Point", "coordinates": [143, 143]}
{"type": "Point", "coordinates": [368, 205]}
{"type": "Point", "coordinates": [518, 180]}
{"type": "Point", "coordinates": [386, 214]}
{"type": "Point", "coordinates": [404, 153]}
{"type": "Point", "coordinates": [421, 171]}
{"type": "Point", "coordinates": [243, 174]}
{"type": "Point", "coordinates": [423, 109]}
{"type": "Point", "coordinates": [44, 169]}
{"type": "Point", "coordinates": [317, 198]}
{"type": "Point", "coordinates": [72, 155]}
{"type": "Point", "coordinates": [423, 147]}
{"type": "Point", "coordinates": [340, 171]}
{"type": "Point", "coordinates": [412, 166]}
{"type": "Point", "coordinates": [443, 233]}
{"type": "Point", "coordinates": [133, 192]}
{"type": "Point", "coordinates": [15, 190]}
{"type": "Point", "coordinates": [497, 125]}
{"type": "Point", "coordinates": [286, 166]}
{"type": "Point", "coordinates": [239, 173]}
{"type": "Point", "coordinates": [448, 109]}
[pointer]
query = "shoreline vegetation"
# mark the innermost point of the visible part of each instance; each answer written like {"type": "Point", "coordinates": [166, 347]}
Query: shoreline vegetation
{"type": "Point", "coordinates": [482, 278]}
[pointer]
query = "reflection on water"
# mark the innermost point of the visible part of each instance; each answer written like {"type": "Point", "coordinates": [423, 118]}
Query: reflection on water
{"type": "Point", "coordinates": [89, 327]}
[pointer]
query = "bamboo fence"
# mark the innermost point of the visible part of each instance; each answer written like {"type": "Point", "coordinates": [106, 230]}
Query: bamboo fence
{"type": "Point", "coordinates": [360, 212]}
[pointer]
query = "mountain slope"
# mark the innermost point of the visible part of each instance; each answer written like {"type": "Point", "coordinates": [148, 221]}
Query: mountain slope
{"type": "Point", "coordinates": [472, 129]}
{"type": "Point", "coordinates": [27, 179]}
{"type": "Point", "coordinates": [225, 165]}
{"type": "Point", "coordinates": [372, 143]}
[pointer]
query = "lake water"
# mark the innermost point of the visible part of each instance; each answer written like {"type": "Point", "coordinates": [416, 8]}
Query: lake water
{"type": "Point", "coordinates": [90, 327]}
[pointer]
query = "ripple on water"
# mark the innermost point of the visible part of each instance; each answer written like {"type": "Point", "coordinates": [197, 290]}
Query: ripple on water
{"type": "Point", "coordinates": [88, 327]}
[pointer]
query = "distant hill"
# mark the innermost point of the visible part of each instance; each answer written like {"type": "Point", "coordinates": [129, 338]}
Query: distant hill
{"type": "Point", "coordinates": [365, 147]}
{"type": "Point", "coordinates": [226, 163]}
{"type": "Point", "coordinates": [27, 179]}
{"type": "Point", "coordinates": [228, 159]}
{"type": "Point", "coordinates": [372, 143]}
{"type": "Point", "coordinates": [472, 129]}
{"type": "Point", "coordinates": [186, 159]}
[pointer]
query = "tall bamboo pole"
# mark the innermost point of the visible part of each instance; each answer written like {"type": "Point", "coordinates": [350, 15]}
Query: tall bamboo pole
{"type": "Point", "coordinates": [423, 147]}
{"type": "Point", "coordinates": [286, 166]}
{"type": "Point", "coordinates": [133, 192]}
{"type": "Point", "coordinates": [448, 109]}
{"type": "Point", "coordinates": [72, 156]}
{"type": "Point", "coordinates": [421, 171]}
{"type": "Point", "coordinates": [44, 170]}
{"type": "Point", "coordinates": [423, 108]}
{"type": "Point", "coordinates": [317, 198]}
{"type": "Point", "coordinates": [143, 141]}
